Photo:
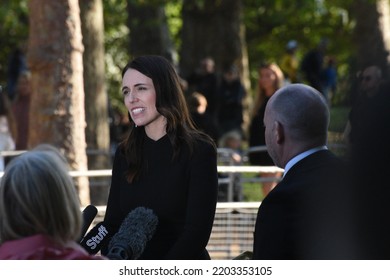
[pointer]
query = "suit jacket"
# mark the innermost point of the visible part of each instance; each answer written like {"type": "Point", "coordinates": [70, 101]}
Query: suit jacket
{"type": "Point", "coordinates": [309, 214]}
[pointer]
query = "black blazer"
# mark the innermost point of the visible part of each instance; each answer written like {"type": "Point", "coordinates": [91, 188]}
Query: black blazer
{"type": "Point", "coordinates": [309, 214]}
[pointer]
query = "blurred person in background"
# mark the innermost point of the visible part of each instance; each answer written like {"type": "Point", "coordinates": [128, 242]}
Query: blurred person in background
{"type": "Point", "coordinates": [289, 62]}
{"type": "Point", "coordinates": [370, 84]}
{"type": "Point", "coordinates": [197, 105]}
{"type": "Point", "coordinates": [369, 154]}
{"type": "Point", "coordinates": [271, 78]}
{"type": "Point", "coordinates": [330, 80]}
{"type": "Point", "coordinates": [205, 81]}
{"type": "Point", "coordinates": [312, 65]}
{"type": "Point", "coordinates": [230, 97]}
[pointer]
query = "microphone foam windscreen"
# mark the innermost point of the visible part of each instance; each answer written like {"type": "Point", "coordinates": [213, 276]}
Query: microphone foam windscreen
{"type": "Point", "coordinates": [136, 230]}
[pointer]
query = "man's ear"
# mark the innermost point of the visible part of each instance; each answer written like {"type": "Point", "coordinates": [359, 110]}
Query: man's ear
{"type": "Point", "coordinates": [279, 131]}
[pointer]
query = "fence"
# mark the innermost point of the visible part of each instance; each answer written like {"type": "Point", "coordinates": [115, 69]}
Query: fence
{"type": "Point", "coordinates": [232, 231]}
{"type": "Point", "coordinates": [234, 222]}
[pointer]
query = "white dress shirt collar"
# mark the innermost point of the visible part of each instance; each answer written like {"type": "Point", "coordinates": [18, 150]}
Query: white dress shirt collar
{"type": "Point", "coordinates": [301, 156]}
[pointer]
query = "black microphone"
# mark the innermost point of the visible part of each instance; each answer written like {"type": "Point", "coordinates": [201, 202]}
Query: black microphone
{"type": "Point", "coordinates": [96, 238]}
{"type": "Point", "coordinates": [136, 230]}
{"type": "Point", "coordinates": [89, 213]}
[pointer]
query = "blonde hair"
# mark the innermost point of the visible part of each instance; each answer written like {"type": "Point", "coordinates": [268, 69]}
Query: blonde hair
{"type": "Point", "coordinates": [278, 84]}
{"type": "Point", "coordinates": [38, 196]}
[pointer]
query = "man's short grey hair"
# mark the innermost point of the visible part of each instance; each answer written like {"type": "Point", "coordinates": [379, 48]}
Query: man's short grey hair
{"type": "Point", "coordinates": [303, 111]}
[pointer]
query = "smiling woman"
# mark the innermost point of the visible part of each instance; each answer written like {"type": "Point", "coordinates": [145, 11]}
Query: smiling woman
{"type": "Point", "coordinates": [140, 100]}
{"type": "Point", "coordinates": [164, 164]}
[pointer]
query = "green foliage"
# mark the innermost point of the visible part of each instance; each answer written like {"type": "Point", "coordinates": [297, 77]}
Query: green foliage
{"type": "Point", "coordinates": [338, 118]}
{"type": "Point", "coordinates": [13, 31]}
{"type": "Point", "coordinates": [175, 22]}
{"type": "Point", "coordinates": [272, 23]}
{"type": "Point", "coordinates": [252, 191]}
{"type": "Point", "coordinates": [117, 48]}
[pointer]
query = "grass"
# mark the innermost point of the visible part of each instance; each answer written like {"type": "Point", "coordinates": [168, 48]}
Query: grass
{"type": "Point", "coordinates": [338, 118]}
{"type": "Point", "coordinates": [251, 191]}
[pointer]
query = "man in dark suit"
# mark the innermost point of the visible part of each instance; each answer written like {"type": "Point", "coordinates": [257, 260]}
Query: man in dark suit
{"type": "Point", "coordinates": [310, 213]}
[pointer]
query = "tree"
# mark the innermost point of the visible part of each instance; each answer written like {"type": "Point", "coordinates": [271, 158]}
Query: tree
{"type": "Point", "coordinates": [371, 32]}
{"type": "Point", "coordinates": [116, 43]}
{"type": "Point", "coordinates": [96, 99]}
{"type": "Point", "coordinates": [148, 17]}
{"type": "Point", "coordinates": [55, 52]}
{"type": "Point", "coordinates": [13, 37]}
{"type": "Point", "coordinates": [212, 28]}
{"type": "Point", "coordinates": [215, 29]}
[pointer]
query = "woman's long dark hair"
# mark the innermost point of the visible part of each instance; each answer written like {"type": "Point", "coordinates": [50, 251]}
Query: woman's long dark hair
{"type": "Point", "coordinates": [170, 103]}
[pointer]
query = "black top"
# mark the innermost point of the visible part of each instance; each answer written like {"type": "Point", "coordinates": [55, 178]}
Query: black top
{"type": "Point", "coordinates": [312, 64]}
{"type": "Point", "coordinates": [230, 109]}
{"type": "Point", "coordinates": [182, 193]}
{"type": "Point", "coordinates": [257, 138]}
{"type": "Point", "coordinates": [206, 123]}
{"type": "Point", "coordinates": [206, 84]}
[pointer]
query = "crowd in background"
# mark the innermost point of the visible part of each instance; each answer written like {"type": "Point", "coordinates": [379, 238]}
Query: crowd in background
{"type": "Point", "coordinates": [216, 105]}
{"type": "Point", "coordinates": [216, 101]}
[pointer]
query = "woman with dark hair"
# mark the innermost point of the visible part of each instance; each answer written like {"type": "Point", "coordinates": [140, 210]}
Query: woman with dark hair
{"type": "Point", "coordinates": [164, 164]}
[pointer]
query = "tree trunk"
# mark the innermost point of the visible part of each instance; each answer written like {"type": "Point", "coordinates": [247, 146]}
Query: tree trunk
{"type": "Point", "coordinates": [96, 99]}
{"type": "Point", "coordinates": [149, 32]}
{"type": "Point", "coordinates": [383, 7]}
{"type": "Point", "coordinates": [371, 32]}
{"type": "Point", "coordinates": [57, 104]}
{"type": "Point", "coordinates": [215, 29]}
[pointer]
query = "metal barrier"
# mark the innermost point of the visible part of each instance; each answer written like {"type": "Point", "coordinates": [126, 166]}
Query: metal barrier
{"type": "Point", "coordinates": [234, 222]}
{"type": "Point", "coordinates": [226, 166]}
{"type": "Point", "coordinates": [233, 228]}
{"type": "Point", "coordinates": [232, 232]}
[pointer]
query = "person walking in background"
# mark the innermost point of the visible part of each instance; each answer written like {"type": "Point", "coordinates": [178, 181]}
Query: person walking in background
{"type": "Point", "coordinates": [371, 81]}
{"type": "Point", "coordinates": [310, 213]}
{"type": "Point", "coordinates": [271, 78]}
{"type": "Point", "coordinates": [230, 97]}
{"type": "Point", "coordinates": [205, 81]}
{"type": "Point", "coordinates": [330, 80]}
{"type": "Point", "coordinates": [369, 153]}
{"type": "Point", "coordinates": [165, 164]}
{"type": "Point", "coordinates": [197, 105]}
{"type": "Point", "coordinates": [230, 145]}
{"type": "Point", "coordinates": [17, 64]}
{"type": "Point", "coordinates": [313, 64]}
{"type": "Point", "coordinates": [289, 62]}
{"type": "Point", "coordinates": [39, 209]}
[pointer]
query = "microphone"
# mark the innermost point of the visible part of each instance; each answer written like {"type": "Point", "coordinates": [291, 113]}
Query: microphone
{"type": "Point", "coordinates": [96, 238]}
{"type": "Point", "coordinates": [136, 230]}
{"type": "Point", "coordinates": [89, 213]}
